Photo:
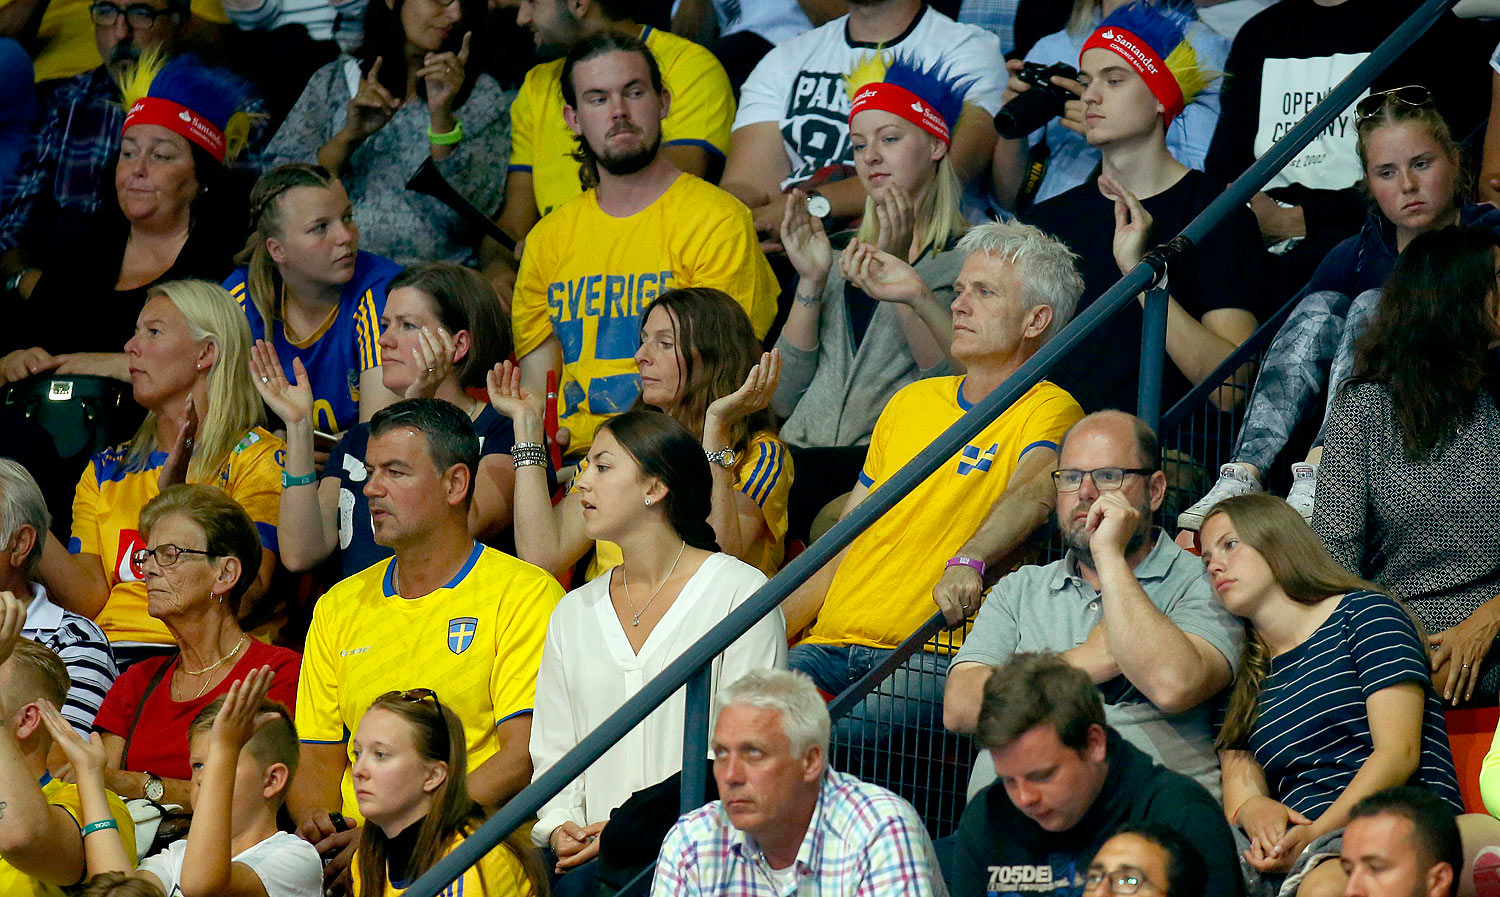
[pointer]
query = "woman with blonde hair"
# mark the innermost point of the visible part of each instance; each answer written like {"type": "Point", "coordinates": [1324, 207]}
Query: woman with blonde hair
{"type": "Point", "coordinates": [188, 365]}
{"type": "Point", "coordinates": [877, 320]}
{"type": "Point", "coordinates": [309, 290]}
{"type": "Point", "coordinates": [1333, 701]}
{"type": "Point", "coordinates": [409, 769]}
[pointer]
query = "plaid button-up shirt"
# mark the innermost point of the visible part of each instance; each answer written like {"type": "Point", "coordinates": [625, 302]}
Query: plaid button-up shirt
{"type": "Point", "coordinates": [863, 840]}
{"type": "Point", "coordinates": [72, 156]}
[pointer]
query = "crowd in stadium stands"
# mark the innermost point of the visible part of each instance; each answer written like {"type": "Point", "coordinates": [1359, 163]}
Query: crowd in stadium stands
{"type": "Point", "coordinates": [409, 332]}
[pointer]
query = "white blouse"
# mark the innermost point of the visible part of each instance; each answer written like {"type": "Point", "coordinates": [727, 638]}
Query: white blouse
{"type": "Point", "coordinates": [589, 671]}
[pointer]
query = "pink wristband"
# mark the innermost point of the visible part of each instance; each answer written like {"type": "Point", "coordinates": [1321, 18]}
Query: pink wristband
{"type": "Point", "coordinates": [961, 561]}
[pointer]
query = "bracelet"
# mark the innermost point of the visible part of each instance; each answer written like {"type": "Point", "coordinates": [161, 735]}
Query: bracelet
{"type": "Point", "coordinates": [446, 138]}
{"type": "Point", "coordinates": [526, 450]}
{"type": "Point", "coordinates": [519, 463]}
{"type": "Point", "coordinates": [523, 446]}
{"type": "Point", "coordinates": [289, 480]}
{"type": "Point", "coordinates": [99, 826]}
{"type": "Point", "coordinates": [961, 561]}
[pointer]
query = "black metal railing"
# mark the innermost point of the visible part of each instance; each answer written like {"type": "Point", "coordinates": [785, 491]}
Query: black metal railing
{"type": "Point", "coordinates": [692, 667]}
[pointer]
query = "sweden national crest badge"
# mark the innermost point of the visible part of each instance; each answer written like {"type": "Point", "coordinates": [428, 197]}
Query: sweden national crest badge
{"type": "Point", "coordinates": [461, 633]}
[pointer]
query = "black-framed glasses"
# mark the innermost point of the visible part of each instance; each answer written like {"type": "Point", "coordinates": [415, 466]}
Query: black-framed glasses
{"type": "Point", "coordinates": [138, 16]}
{"type": "Point", "coordinates": [1106, 479]}
{"type": "Point", "coordinates": [1124, 880]}
{"type": "Point", "coordinates": [1413, 95]}
{"type": "Point", "coordinates": [166, 555]}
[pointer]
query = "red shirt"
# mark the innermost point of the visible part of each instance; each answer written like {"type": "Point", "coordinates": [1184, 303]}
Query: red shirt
{"type": "Point", "coordinates": [160, 744]}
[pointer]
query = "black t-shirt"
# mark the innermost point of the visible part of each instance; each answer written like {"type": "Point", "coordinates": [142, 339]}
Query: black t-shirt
{"type": "Point", "coordinates": [1001, 852]}
{"type": "Point", "coordinates": [1290, 55]}
{"type": "Point", "coordinates": [357, 547]}
{"type": "Point", "coordinates": [1224, 271]}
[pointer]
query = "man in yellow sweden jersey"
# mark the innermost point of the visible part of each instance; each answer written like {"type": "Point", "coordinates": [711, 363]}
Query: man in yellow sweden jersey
{"type": "Point", "coordinates": [40, 817]}
{"type": "Point", "coordinates": [1016, 288]}
{"type": "Point", "coordinates": [445, 613]}
{"type": "Point", "coordinates": [595, 262]}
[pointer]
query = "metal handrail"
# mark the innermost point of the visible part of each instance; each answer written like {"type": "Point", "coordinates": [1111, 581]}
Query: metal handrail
{"type": "Point", "coordinates": [739, 621]}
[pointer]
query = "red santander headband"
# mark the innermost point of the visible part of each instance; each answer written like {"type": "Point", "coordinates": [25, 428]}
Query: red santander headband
{"type": "Point", "coordinates": [178, 119]}
{"type": "Point", "coordinates": [899, 101]}
{"type": "Point", "coordinates": [1146, 62]}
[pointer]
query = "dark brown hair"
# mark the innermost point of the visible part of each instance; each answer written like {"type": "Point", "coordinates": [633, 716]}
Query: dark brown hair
{"type": "Point", "coordinates": [664, 449]}
{"type": "Point", "coordinates": [1430, 337]}
{"type": "Point", "coordinates": [716, 348]}
{"type": "Point", "coordinates": [462, 300]}
{"type": "Point", "coordinates": [1303, 569]}
{"type": "Point", "coordinates": [227, 529]}
{"type": "Point", "coordinates": [1030, 690]}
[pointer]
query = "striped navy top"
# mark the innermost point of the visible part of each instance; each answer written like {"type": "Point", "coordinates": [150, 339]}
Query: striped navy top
{"type": "Point", "coordinates": [1313, 732]}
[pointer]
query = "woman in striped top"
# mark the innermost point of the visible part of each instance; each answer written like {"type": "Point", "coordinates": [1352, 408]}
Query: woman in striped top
{"type": "Point", "coordinates": [1333, 702]}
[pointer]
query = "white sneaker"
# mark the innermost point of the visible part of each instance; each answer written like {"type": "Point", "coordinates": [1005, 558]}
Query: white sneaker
{"type": "Point", "coordinates": [1304, 487]}
{"type": "Point", "coordinates": [1234, 479]}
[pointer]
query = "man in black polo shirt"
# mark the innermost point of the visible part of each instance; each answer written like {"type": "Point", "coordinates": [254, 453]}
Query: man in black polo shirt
{"type": "Point", "coordinates": [1066, 782]}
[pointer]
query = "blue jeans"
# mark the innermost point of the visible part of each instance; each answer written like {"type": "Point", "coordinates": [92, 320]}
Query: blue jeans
{"type": "Point", "coordinates": [907, 704]}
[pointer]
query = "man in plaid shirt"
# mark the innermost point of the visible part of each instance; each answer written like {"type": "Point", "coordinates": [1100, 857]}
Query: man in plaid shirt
{"type": "Point", "coordinates": [786, 823]}
{"type": "Point", "coordinates": [72, 155]}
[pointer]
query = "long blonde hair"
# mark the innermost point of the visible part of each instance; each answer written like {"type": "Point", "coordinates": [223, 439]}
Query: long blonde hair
{"type": "Point", "coordinates": [233, 405]}
{"type": "Point", "coordinates": [266, 223]}
{"type": "Point", "coordinates": [938, 217]}
{"type": "Point", "coordinates": [1303, 569]}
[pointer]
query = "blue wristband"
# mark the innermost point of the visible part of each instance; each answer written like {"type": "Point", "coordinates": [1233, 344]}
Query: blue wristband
{"type": "Point", "coordinates": [288, 480]}
{"type": "Point", "coordinates": [99, 826]}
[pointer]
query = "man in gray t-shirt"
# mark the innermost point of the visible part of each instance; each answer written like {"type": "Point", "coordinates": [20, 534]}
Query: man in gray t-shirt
{"type": "Point", "coordinates": [1124, 604]}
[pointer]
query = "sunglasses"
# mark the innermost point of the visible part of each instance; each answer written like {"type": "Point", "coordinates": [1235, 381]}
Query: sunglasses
{"type": "Point", "coordinates": [1412, 95]}
{"type": "Point", "coordinates": [422, 696]}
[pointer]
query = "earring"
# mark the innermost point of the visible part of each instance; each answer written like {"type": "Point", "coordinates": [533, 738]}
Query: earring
{"type": "Point", "coordinates": [648, 502]}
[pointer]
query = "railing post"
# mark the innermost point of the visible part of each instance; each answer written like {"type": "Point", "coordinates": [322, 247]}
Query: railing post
{"type": "Point", "coordinates": [695, 741]}
{"type": "Point", "coordinates": [1153, 356]}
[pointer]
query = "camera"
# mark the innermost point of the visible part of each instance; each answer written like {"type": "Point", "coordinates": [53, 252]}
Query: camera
{"type": "Point", "coordinates": [1042, 103]}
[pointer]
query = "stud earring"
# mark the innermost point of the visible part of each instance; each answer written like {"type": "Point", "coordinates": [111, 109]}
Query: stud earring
{"type": "Point", "coordinates": [648, 502]}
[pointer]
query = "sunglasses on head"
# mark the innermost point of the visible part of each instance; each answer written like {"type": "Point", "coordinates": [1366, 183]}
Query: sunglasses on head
{"type": "Point", "coordinates": [422, 696]}
{"type": "Point", "coordinates": [1413, 95]}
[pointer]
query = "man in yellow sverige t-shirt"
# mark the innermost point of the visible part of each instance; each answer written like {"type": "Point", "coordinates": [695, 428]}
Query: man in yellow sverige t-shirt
{"type": "Point", "coordinates": [592, 266]}
{"type": "Point", "coordinates": [40, 817]}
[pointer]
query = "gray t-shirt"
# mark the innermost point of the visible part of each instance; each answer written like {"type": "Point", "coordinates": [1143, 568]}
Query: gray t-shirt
{"type": "Point", "coordinates": [1051, 608]}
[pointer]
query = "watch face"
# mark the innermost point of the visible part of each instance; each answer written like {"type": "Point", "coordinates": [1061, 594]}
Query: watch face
{"type": "Point", "coordinates": [154, 789]}
{"type": "Point", "coordinates": [818, 206]}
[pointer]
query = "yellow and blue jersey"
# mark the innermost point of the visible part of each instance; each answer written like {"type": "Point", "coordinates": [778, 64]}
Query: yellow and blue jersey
{"type": "Point", "coordinates": [476, 641]}
{"type": "Point", "coordinates": [347, 345]}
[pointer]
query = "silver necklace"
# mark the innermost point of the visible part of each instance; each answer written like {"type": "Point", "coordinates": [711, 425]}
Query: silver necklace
{"type": "Point", "coordinates": [635, 616]}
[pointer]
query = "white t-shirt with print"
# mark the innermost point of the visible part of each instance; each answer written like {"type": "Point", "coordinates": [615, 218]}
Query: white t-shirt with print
{"type": "Point", "coordinates": [800, 83]}
{"type": "Point", "coordinates": [286, 865]}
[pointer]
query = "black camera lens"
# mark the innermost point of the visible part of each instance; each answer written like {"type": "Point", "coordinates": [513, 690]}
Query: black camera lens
{"type": "Point", "coordinates": [1035, 107]}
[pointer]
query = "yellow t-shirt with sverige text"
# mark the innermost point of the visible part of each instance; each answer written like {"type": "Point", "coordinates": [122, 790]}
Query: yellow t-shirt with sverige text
{"type": "Point", "coordinates": [764, 473]}
{"type": "Point", "coordinates": [882, 591]}
{"type": "Point", "coordinates": [587, 276]}
{"type": "Point", "coordinates": [106, 521]}
{"type": "Point", "coordinates": [700, 113]}
{"type": "Point", "coordinates": [15, 883]}
{"type": "Point", "coordinates": [66, 36]}
{"type": "Point", "coordinates": [476, 642]}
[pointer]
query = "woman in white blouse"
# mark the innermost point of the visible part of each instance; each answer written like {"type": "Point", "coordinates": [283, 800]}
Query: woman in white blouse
{"type": "Point", "coordinates": [647, 488]}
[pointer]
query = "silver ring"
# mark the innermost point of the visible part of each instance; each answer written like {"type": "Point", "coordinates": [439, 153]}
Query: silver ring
{"type": "Point", "coordinates": [265, 379]}
{"type": "Point", "coordinates": [429, 370]}
{"type": "Point", "coordinates": [1466, 666]}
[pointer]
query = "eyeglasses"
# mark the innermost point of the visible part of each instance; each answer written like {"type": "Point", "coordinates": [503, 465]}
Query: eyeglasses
{"type": "Point", "coordinates": [138, 15]}
{"type": "Point", "coordinates": [1124, 880]}
{"type": "Point", "coordinates": [1413, 95]}
{"type": "Point", "coordinates": [166, 555]}
{"type": "Point", "coordinates": [1106, 479]}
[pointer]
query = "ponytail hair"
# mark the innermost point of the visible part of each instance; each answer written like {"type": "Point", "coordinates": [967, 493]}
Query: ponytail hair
{"type": "Point", "coordinates": [665, 449]}
{"type": "Point", "coordinates": [266, 223]}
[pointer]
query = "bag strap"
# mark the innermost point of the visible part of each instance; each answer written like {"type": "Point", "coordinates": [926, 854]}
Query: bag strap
{"type": "Point", "coordinates": [140, 708]}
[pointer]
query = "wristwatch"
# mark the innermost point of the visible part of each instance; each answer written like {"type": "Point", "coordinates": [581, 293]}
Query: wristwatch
{"type": "Point", "coordinates": [818, 205]}
{"type": "Point", "coordinates": [154, 789]}
{"type": "Point", "coordinates": [724, 457]}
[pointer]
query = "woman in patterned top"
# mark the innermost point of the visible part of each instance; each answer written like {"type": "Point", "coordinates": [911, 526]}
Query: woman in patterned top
{"type": "Point", "coordinates": [1333, 701]}
{"type": "Point", "coordinates": [1408, 491]}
